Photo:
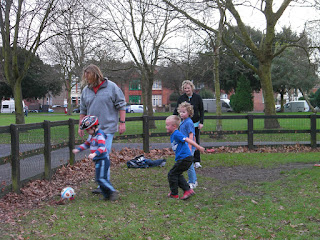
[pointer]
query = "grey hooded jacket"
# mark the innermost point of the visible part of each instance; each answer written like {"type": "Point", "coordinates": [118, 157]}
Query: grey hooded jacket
{"type": "Point", "coordinates": [105, 104]}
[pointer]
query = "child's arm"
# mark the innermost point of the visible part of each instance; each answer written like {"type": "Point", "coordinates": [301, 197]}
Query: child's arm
{"type": "Point", "coordinates": [193, 143]}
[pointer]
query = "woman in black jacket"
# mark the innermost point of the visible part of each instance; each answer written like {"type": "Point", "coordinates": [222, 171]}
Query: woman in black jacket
{"type": "Point", "coordinates": [196, 101]}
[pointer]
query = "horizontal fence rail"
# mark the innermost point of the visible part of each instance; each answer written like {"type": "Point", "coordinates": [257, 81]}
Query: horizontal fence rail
{"type": "Point", "coordinates": [48, 145]}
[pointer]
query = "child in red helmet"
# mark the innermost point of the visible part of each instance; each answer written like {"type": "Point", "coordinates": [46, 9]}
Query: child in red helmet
{"type": "Point", "coordinates": [98, 153]}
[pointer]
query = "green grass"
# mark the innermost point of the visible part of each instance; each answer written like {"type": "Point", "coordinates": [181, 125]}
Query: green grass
{"type": "Point", "coordinates": [60, 134]}
{"type": "Point", "coordinates": [286, 208]}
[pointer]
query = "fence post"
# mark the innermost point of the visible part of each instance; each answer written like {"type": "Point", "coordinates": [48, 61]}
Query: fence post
{"type": "Point", "coordinates": [47, 149]}
{"type": "Point", "coordinates": [145, 119]}
{"type": "Point", "coordinates": [313, 130]}
{"type": "Point", "coordinates": [250, 131]}
{"type": "Point", "coordinates": [71, 140]}
{"type": "Point", "coordinates": [15, 158]}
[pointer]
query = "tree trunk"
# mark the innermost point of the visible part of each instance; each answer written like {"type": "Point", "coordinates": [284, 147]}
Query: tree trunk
{"type": "Point", "coordinates": [17, 94]}
{"type": "Point", "coordinates": [267, 90]}
{"type": "Point", "coordinates": [216, 62]}
{"type": "Point", "coordinates": [152, 124]}
{"type": "Point", "coordinates": [69, 87]}
{"type": "Point", "coordinates": [282, 101]}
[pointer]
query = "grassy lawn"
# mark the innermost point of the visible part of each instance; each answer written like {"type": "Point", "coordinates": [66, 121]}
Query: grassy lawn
{"type": "Point", "coordinates": [60, 133]}
{"type": "Point", "coordinates": [283, 207]}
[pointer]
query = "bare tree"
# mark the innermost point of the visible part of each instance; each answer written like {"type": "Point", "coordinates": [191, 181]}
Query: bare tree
{"type": "Point", "coordinates": [143, 30]}
{"type": "Point", "coordinates": [78, 40]}
{"type": "Point", "coordinates": [22, 25]}
{"type": "Point", "coordinates": [264, 52]}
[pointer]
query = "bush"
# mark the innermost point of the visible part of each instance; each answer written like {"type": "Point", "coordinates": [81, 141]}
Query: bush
{"type": "Point", "coordinates": [174, 97]}
{"type": "Point", "coordinates": [206, 94]}
{"type": "Point", "coordinates": [242, 101]}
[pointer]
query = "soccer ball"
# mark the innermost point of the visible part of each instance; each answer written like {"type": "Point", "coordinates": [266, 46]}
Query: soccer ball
{"type": "Point", "coordinates": [68, 193]}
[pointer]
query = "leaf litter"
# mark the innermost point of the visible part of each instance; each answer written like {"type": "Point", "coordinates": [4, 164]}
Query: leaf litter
{"type": "Point", "coordinates": [39, 193]}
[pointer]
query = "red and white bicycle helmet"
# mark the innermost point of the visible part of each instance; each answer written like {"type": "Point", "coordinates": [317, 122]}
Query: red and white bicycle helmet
{"type": "Point", "coordinates": [88, 122]}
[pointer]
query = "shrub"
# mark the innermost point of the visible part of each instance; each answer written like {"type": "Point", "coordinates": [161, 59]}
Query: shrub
{"type": "Point", "coordinates": [242, 101]}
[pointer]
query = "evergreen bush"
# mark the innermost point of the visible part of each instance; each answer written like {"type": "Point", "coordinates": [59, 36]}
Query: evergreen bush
{"type": "Point", "coordinates": [242, 100]}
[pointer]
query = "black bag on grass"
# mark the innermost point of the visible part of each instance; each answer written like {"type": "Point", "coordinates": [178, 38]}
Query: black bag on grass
{"type": "Point", "coordinates": [137, 162]}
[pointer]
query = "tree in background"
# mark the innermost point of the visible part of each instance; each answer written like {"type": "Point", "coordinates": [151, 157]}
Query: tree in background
{"type": "Point", "coordinates": [142, 30]}
{"type": "Point", "coordinates": [264, 51]}
{"type": "Point", "coordinates": [242, 101]}
{"type": "Point", "coordinates": [78, 40]}
{"type": "Point", "coordinates": [292, 69]}
{"type": "Point", "coordinates": [39, 80]}
{"type": "Point", "coordinates": [22, 25]}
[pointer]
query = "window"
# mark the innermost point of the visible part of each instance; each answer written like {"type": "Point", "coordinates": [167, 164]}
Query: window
{"type": "Point", "coordinates": [135, 99]}
{"type": "Point", "coordinates": [157, 85]}
{"type": "Point", "coordinates": [156, 100]}
{"type": "Point", "coordinates": [135, 85]}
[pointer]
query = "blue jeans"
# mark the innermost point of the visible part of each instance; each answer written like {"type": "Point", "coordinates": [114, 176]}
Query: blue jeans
{"type": "Point", "coordinates": [102, 176]}
{"type": "Point", "coordinates": [153, 163]}
{"type": "Point", "coordinates": [109, 138]}
{"type": "Point", "coordinates": [192, 176]}
{"type": "Point", "coordinates": [109, 142]}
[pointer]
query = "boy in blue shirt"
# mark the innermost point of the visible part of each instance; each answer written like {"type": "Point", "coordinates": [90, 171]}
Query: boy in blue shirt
{"type": "Point", "coordinates": [183, 158]}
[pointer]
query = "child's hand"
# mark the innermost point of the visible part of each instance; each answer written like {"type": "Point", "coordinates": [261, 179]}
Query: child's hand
{"type": "Point", "coordinates": [92, 155]}
{"type": "Point", "coordinates": [201, 149]}
{"type": "Point", "coordinates": [75, 151]}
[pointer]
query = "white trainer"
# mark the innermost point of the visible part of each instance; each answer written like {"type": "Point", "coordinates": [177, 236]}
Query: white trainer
{"type": "Point", "coordinates": [197, 165]}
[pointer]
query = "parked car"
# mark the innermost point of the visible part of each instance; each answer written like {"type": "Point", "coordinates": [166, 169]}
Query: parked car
{"type": "Point", "coordinates": [278, 108]}
{"type": "Point", "coordinates": [55, 106]}
{"type": "Point", "coordinates": [135, 109]}
{"type": "Point", "coordinates": [76, 110]}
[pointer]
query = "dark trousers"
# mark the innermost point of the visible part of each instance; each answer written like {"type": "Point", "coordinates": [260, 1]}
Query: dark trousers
{"type": "Point", "coordinates": [197, 152]}
{"type": "Point", "coordinates": [175, 177]}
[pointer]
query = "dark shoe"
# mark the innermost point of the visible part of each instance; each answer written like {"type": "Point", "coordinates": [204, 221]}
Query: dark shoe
{"type": "Point", "coordinates": [96, 190]}
{"type": "Point", "coordinates": [187, 194]}
{"type": "Point", "coordinates": [114, 196]}
{"type": "Point", "coordinates": [173, 196]}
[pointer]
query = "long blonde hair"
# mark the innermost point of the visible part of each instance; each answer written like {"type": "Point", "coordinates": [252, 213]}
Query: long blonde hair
{"type": "Point", "coordinates": [98, 76]}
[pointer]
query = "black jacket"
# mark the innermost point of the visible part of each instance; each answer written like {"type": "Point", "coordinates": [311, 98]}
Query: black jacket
{"type": "Point", "coordinates": [196, 102]}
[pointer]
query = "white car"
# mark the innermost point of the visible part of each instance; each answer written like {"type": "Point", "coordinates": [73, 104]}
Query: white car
{"type": "Point", "coordinates": [135, 109]}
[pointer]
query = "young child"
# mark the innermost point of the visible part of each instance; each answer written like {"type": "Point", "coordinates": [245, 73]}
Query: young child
{"type": "Point", "coordinates": [97, 144]}
{"type": "Point", "coordinates": [185, 111]}
{"type": "Point", "coordinates": [183, 158]}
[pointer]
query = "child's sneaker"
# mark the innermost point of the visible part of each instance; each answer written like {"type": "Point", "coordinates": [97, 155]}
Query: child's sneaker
{"type": "Point", "coordinates": [193, 185]}
{"type": "Point", "coordinates": [197, 165]}
{"type": "Point", "coordinates": [187, 194]}
{"type": "Point", "coordinates": [173, 196]}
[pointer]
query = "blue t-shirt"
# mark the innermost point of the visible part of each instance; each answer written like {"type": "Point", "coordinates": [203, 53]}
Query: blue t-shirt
{"type": "Point", "coordinates": [187, 127]}
{"type": "Point", "coordinates": [179, 145]}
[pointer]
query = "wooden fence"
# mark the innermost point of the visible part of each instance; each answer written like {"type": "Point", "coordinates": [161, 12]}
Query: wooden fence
{"type": "Point", "coordinates": [15, 130]}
